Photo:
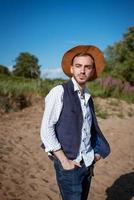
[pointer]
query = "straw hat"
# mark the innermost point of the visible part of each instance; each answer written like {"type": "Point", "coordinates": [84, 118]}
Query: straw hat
{"type": "Point", "coordinates": [88, 49]}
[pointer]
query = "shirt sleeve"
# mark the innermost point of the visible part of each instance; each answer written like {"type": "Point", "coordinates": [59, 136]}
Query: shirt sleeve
{"type": "Point", "coordinates": [53, 107]}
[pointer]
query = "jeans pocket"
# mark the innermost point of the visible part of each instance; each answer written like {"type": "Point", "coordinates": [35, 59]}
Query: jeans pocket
{"type": "Point", "coordinates": [68, 170]}
{"type": "Point", "coordinates": [60, 167]}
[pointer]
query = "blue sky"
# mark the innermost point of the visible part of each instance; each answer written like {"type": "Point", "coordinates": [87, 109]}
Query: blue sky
{"type": "Point", "coordinates": [48, 28]}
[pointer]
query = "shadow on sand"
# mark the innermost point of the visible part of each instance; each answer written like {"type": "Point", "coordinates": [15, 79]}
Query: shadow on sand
{"type": "Point", "coordinates": [122, 188]}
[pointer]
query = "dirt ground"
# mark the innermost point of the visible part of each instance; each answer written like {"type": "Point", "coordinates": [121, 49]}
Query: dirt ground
{"type": "Point", "coordinates": [26, 173]}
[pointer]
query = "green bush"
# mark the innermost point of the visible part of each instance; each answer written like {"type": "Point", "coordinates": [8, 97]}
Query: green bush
{"type": "Point", "coordinates": [97, 90]}
{"type": "Point", "coordinates": [19, 91]}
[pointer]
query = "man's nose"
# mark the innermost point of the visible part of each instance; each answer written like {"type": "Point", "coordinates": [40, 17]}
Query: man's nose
{"type": "Point", "coordinates": [82, 69]}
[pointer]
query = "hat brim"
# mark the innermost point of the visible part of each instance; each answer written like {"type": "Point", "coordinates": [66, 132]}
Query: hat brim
{"type": "Point", "coordinates": [87, 49]}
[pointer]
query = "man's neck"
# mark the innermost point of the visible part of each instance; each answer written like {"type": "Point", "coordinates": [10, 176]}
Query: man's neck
{"type": "Point", "coordinates": [81, 87]}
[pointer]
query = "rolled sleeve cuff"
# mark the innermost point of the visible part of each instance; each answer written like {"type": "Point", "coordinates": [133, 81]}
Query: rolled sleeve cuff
{"type": "Point", "coordinates": [55, 148]}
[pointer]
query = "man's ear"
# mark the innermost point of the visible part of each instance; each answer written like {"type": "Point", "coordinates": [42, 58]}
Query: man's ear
{"type": "Point", "coordinates": [71, 69]}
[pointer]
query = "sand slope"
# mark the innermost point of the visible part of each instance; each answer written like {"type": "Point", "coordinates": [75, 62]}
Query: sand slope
{"type": "Point", "coordinates": [27, 174]}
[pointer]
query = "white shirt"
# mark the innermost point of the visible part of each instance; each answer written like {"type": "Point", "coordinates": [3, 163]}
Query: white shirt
{"type": "Point", "coordinates": [53, 107]}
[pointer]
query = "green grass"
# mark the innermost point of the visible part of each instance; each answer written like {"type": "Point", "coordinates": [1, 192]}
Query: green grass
{"type": "Point", "coordinates": [100, 112]}
{"type": "Point", "coordinates": [19, 90]}
{"type": "Point", "coordinates": [131, 112]}
{"type": "Point", "coordinates": [15, 86]}
{"type": "Point", "coordinates": [99, 91]}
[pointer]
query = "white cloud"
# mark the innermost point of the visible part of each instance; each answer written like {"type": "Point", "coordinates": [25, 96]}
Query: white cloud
{"type": "Point", "coordinates": [53, 73]}
{"type": "Point", "coordinates": [10, 68]}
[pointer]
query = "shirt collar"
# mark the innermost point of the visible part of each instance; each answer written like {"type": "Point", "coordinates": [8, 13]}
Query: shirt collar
{"type": "Point", "coordinates": [76, 88]}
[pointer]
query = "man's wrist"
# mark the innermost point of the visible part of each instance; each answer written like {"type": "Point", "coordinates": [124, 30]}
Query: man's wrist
{"type": "Point", "coordinates": [60, 156]}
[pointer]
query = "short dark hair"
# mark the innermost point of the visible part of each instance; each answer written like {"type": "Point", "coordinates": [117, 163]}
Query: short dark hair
{"type": "Point", "coordinates": [83, 54]}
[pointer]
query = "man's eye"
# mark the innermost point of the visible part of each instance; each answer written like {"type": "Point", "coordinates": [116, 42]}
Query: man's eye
{"type": "Point", "coordinates": [89, 67]}
{"type": "Point", "coordinates": [78, 66]}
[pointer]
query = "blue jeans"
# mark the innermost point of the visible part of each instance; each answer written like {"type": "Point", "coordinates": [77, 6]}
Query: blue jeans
{"type": "Point", "coordinates": [74, 184]}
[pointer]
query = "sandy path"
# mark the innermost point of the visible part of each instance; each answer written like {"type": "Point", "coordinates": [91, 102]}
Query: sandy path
{"type": "Point", "coordinates": [27, 174]}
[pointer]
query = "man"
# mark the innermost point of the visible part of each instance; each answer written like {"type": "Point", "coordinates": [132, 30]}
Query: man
{"type": "Point", "coordinates": [69, 129]}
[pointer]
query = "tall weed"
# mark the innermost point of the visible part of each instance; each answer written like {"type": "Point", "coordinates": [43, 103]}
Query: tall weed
{"type": "Point", "coordinates": [18, 91]}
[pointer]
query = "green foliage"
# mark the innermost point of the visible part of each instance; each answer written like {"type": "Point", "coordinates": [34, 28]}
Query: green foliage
{"type": "Point", "coordinates": [130, 112]}
{"type": "Point", "coordinates": [98, 90]}
{"type": "Point", "coordinates": [26, 66]}
{"type": "Point", "coordinates": [14, 86]}
{"type": "Point", "coordinates": [120, 58]}
{"type": "Point", "coordinates": [4, 70]}
{"type": "Point", "coordinates": [19, 91]}
{"type": "Point", "coordinates": [100, 112]}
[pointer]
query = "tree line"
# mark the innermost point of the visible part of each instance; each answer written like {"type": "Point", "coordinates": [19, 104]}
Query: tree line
{"type": "Point", "coordinates": [26, 65]}
{"type": "Point", "coordinates": [120, 58]}
{"type": "Point", "coordinates": [119, 61]}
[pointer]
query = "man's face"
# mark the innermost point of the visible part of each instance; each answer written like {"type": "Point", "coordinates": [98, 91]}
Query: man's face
{"type": "Point", "coordinates": [82, 69]}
